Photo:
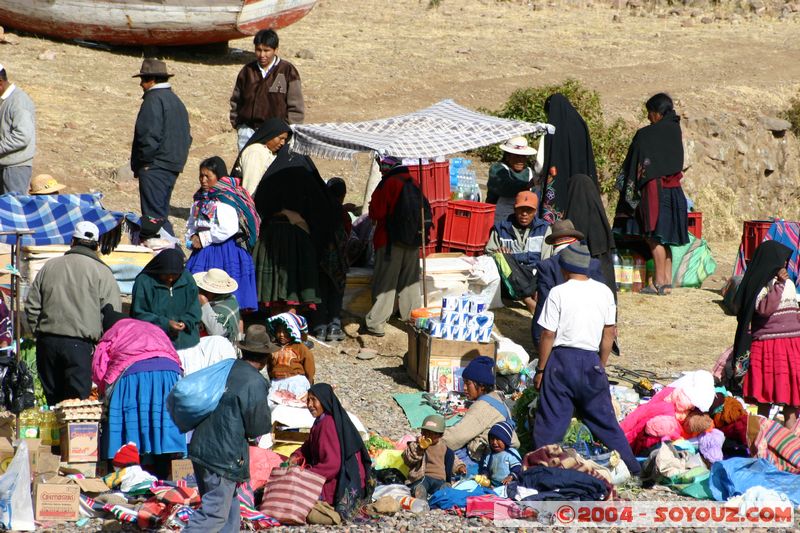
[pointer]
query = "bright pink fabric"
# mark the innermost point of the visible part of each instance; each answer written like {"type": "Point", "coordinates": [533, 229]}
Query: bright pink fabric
{"type": "Point", "coordinates": [127, 342]}
{"type": "Point", "coordinates": [774, 374]}
{"type": "Point", "coordinates": [262, 462]}
{"type": "Point", "coordinates": [634, 424]}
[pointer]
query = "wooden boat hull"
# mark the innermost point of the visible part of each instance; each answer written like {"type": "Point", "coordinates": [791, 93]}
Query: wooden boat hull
{"type": "Point", "coordinates": [151, 22]}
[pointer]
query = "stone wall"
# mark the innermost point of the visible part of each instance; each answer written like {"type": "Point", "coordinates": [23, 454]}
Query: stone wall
{"type": "Point", "coordinates": [741, 169]}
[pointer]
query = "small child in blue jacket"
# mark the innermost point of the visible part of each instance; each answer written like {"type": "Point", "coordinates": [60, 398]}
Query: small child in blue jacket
{"type": "Point", "coordinates": [503, 463]}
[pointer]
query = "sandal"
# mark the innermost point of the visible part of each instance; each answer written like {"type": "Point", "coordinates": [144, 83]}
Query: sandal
{"type": "Point", "coordinates": [653, 290]}
{"type": "Point", "coordinates": [662, 290]}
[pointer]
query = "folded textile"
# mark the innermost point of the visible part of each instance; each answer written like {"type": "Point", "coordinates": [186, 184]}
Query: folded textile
{"type": "Point", "coordinates": [130, 480]}
{"type": "Point", "coordinates": [447, 497]}
{"type": "Point", "coordinates": [555, 456]}
{"type": "Point", "coordinates": [559, 484]}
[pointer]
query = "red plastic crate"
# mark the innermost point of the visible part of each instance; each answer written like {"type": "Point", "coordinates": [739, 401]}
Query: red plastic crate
{"type": "Point", "coordinates": [439, 215]}
{"type": "Point", "coordinates": [436, 180]}
{"type": "Point", "coordinates": [753, 233]}
{"type": "Point", "coordinates": [696, 224]}
{"type": "Point", "coordinates": [429, 249]}
{"type": "Point", "coordinates": [467, 226]}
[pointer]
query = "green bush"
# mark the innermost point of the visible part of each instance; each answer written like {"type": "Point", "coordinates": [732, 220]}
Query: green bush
{"type": "Point", "coordinates": [793, 114]}
{"type": "Point", "coordinates": [609, 141]}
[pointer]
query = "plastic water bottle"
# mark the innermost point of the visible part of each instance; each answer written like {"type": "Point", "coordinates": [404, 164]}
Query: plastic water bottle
{"type": "Point", "coordinates": [455, 166]}
{"type": "Point", "coordinates": [617, 260]}
{"type": "Point", "coordinates": [415, 505]}
{"type": "Point", "coordinates": [626, 279]}
{"type": "Point", "coordinates": [650, 269]}
{"type": "Point", "coordinates": [639, 272]}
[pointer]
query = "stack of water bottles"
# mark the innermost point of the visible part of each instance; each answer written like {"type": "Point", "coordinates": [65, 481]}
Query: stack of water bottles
{"type": "Point", "coordinates": [463, 181]}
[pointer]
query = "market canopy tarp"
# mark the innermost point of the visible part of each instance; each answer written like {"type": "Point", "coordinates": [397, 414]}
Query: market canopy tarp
{"type": "Point", "coordinates": [442, 129]}
{"type": "Point", "coordinates": [52, 218]}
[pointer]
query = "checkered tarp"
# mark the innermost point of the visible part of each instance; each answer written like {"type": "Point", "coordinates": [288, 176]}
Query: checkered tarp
{"type": "Point", "coordinates": [52, 218]}
{"type": "Point", "coordinates": [442, 129]}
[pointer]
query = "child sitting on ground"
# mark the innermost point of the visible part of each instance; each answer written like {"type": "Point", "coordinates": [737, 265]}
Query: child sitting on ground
{"type": "Point", "coordinates": [430, 462]}
{"type": "Point", "coordinates": [292, 367]}
{"type": "Point", "coordinates": [502, 462]}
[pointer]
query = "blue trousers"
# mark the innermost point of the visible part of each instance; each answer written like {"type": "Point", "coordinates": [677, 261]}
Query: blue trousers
{"type": "Point", "coordinates": [574, 381]}
{"type": "Point", "coordinates": [155, 191]}
{"type": "Point", "coordinates": [219, 512]}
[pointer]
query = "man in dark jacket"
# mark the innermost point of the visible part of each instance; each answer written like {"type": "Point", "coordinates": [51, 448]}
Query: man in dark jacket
{"type": "Point", "coordinates": [219, 449]}
{"type": "Point", "coordinates": [549, 273]}
{"type": "Point", "coordinates": [161, 142]}
{"type": "Point", "coordinates": [519, 239]}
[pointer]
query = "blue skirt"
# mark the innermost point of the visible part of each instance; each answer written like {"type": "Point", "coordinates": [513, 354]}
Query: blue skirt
{"type": "Point", "coordinates": [137, 412]}
{"type": "Point", "coordinates": [236, 262]}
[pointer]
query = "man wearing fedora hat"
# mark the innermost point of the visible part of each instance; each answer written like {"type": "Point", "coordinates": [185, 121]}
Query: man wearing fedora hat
{"type": "Point", "coordinates": [219, 446]}
{"type": "Point", "coordinates": [549, 273]}
{"type": "Point", "coordinates": [218, 306]}
{"type": "Point", "coordinates": [161, 142]}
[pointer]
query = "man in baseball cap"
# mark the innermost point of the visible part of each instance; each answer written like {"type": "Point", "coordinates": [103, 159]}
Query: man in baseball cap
{"type": "Point", "coordinates": [519, 240]}
{"type": "Point", "coordinates": [63, 309]}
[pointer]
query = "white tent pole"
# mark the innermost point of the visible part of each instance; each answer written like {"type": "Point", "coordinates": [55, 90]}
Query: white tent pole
{"type": "Point", "coordinates": [424, 250]}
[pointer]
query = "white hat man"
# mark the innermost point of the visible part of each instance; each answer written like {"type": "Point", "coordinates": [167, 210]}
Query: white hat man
{"type": "Point", "coordinates": [509, 176]}
{"type": "Point", "coordinates": [218, 305]}
{"type": "Point", "coordinates": [17, 137]}
{"type": "Point", "coordinates": [63, 309]}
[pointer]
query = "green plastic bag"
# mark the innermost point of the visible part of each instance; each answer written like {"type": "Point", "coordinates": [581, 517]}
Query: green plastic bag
{"type": "Point", "coordinates": [692, 263]}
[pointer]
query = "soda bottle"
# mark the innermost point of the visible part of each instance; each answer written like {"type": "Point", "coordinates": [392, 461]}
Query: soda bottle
{"type": "Point", "coordinates": [626, 281]}
{"type": "Point", "coordinates": [617, 260]}
{"type": "Point", "coordinates": [44, 427]}
{"type": "Point", "coordinates": [639, 272]}
{"type": "Point", "coordinates": [415, 505]}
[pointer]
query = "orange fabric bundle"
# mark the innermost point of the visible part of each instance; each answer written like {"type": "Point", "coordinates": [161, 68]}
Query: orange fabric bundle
{"type": "Point", "coordinates": [696, 423]}
{"type": "Point", "coordinates": [732, 411]}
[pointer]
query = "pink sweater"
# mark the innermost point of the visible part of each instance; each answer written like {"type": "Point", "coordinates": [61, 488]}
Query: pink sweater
{"type": "Point", "coordinates": [777, 315]}
{"type": "Point", "coordinates": [127, 342]}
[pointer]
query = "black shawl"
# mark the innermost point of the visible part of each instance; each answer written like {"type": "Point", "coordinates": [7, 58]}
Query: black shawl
{"type": "Point", "coordinates": [293, 182]}
{"type": "Point", "coordinates": [350, 442]}
{"type": "Point", "coordinates": [769, 258]}
{"type": "Point", "coordinates": [585, 209]}
{"type": "Point", "coordinates": [271, 128]}
{"type": "Point", "coordinates": [655, 151]}
{"type": "Point", "coordinates": [169, 261]}
{"type": "Point", "coordinates": [569, 149]}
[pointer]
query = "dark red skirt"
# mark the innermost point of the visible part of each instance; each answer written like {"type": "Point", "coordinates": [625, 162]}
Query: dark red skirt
{"type": "Point", "coordinates": [774, 374]}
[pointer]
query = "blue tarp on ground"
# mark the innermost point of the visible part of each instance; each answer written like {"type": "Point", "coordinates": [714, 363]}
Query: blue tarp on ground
{"type": "Point", "coordinates": [734, 476]}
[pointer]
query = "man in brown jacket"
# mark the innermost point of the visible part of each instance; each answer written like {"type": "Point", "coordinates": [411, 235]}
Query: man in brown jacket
{"type": "Point", "coordinates": [268, 87]}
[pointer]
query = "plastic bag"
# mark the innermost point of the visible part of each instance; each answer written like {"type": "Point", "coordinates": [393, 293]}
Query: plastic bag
{"type": "Point", "coordinates": [196, 396]}
{"type": "Point", "coordinates": [16, 506]}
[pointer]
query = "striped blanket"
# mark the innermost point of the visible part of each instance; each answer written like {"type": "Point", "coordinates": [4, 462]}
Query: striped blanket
{"type": "Point", "coordinates": [787, 233]}
{"type": "Point", "coordinates": [778, 445]}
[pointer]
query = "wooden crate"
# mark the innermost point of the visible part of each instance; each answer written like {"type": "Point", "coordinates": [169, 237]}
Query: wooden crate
{"type": "Point", "coordinates": [422, 348]}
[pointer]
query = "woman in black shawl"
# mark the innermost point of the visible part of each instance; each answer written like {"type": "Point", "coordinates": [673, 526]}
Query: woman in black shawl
{"type": "Point", "coordinates": [298, 220]}
{"type": "Point", "coordinates": [584, 208]}
{"type": "Point", "coordinates": [259, 152]}
{"type": "Point", "coordinates": [566, 153]}
{"type": "Point", "coordinates": [769, 331]}
{"type": "Point", "coordinates": [336, 451]}
{"type": "Point", "coordinates": [651, 200]}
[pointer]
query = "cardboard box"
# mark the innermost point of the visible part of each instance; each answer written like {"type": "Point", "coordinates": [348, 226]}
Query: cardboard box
{"type": "Point", "coordinates": [79, 442]}
{"type": "Point", "coordinates": [84, 469]}
{"type": "Point", "coordinates": [182, 469]}
{"type": "Point", "coordinates": [57, 501]}
{"type": "Point", "coordinates": [284, 435]}
{"type": "Point", "coordinates": [422, 348]}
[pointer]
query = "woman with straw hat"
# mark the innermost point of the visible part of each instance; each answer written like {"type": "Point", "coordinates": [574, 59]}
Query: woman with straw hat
{"type": "Point", "coordinates": [510, 176]}
{"type": "Point", "coordinates": [218, 306]}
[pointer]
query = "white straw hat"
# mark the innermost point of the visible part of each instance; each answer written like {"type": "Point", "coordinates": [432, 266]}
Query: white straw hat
{"type": "Point", "coordinates": [517, 145]}
{"type": "Point", "coordinates": [45, 184]}
{"type": "Point", "coordinates": [216, 281]}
